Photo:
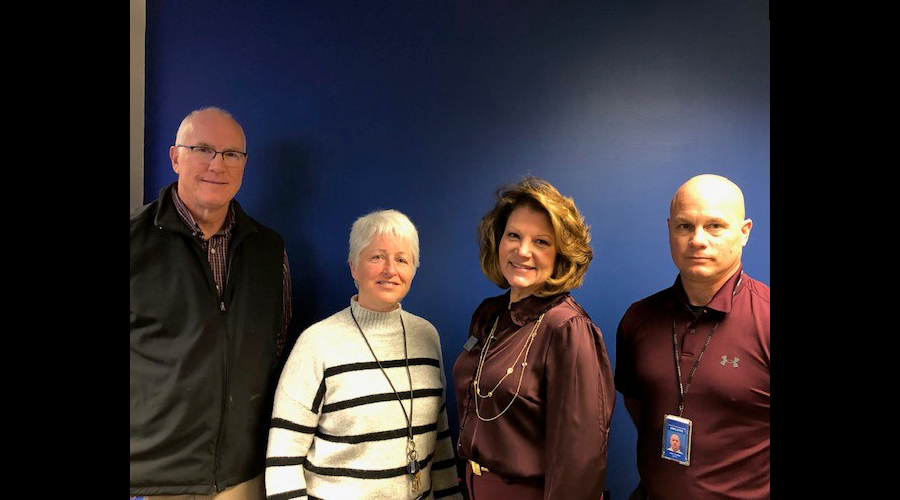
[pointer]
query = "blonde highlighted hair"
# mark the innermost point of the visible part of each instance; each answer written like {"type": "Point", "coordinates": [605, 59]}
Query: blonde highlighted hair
{"type": "Point", "coordinates": [572, 234]}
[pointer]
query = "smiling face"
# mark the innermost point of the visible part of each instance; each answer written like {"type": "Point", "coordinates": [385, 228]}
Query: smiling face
{"type": "Point", "coordinates": [383, 272]}
{"type": "Point", "coordinates": [527, 251]}
{"type": "Point", "coordinates": [207, 187]}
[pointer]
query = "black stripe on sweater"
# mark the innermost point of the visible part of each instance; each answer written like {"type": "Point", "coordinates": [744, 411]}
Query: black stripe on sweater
{"type": "Point", "coordinates": [377, 436]}
{"type": "Point", "coordinates": [287, 495]}
{"type": "Point", "coordinates": [320, 394]}
{"type": "Point", "coordinates": [444, 464]}
{"type": "Point", "coordinates": [363, 473]}
{"type": "Point", "coordinates": [292, 494]}
{"type": "Point", "coordinates": [281, 423]}
{"type": "Point", "coordinates": [378, 398]}
{"type": "Point", "coordinates": [373, 365]}
{"type": "Point", "coordinates": [282, 461]}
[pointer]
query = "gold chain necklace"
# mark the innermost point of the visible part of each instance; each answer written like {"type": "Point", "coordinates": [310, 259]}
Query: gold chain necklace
{"type": "Point", "coordinates": [525, 349]}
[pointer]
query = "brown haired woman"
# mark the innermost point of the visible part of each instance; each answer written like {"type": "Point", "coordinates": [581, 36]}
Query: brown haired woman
{"type": "Point", "coordinates": [534, 387]}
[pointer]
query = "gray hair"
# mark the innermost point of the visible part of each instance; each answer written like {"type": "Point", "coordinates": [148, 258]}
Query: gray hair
{"type": "Point", "coordinates": [382, 222]}
{"type": "Point", "coordinates": [187, 120]}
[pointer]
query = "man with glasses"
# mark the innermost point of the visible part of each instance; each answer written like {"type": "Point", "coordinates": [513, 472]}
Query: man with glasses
{"type": "Point", "coordinates": [210, 304]}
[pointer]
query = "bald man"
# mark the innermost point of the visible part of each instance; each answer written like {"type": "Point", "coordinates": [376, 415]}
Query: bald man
{"type": "Point", "coordinates": [210, 304]}
{"type": "Point", "coordinates": [697, 355]}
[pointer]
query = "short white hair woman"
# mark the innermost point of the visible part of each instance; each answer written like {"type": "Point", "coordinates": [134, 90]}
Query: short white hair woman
{"type": "Point", "coordinates": [359, 410]}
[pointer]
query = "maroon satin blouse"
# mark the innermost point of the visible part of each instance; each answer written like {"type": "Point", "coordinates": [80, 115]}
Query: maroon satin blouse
{"type": "Point", "coordinates": [556, 431]}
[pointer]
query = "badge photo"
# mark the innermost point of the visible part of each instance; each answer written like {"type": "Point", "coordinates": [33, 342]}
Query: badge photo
{"type": "Point", "coordinates": [676, 439]}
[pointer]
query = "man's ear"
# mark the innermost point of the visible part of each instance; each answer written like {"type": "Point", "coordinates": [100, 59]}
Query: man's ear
{"type": "Point", "coordinates": [745, 231]}
{"type": "Point", "coordinates": [173, 157]}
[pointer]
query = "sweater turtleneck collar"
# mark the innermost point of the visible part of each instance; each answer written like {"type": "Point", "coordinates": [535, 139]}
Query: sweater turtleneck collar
{"type": "Point", "coordinates": [376, 322]}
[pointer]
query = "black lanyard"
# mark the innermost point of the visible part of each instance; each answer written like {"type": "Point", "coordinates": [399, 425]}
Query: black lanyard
{"type": "Point", "coordinates": [682, 389]}
{"type": "Point", "coordinates": [413, 467]}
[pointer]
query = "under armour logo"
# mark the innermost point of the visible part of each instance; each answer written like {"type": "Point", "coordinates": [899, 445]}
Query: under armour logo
{"type": "Point", "coordinates": [734, 362]}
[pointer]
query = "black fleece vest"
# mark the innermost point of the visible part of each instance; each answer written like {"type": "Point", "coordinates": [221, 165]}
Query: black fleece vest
{"type": "Point", "coordinates": [202, 370]}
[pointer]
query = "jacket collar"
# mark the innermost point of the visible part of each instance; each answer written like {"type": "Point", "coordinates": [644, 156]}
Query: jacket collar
{"type": "Point", "coordinates": [167, 216]}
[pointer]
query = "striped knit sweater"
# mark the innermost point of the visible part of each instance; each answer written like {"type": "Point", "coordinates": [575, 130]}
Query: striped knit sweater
{"type": "Point", "coordinates": [338, 431]}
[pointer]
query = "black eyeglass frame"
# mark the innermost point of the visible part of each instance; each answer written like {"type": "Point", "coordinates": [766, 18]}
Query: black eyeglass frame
{"type": "Point", "coordinates": [192, 148]}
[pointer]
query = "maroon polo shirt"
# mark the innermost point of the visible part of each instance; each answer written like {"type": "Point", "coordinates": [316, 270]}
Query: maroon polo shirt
{"type": "Point", "coordinates": [728, 397]}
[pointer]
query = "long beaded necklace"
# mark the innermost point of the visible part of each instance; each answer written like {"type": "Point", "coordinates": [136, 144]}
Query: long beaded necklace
{"type": "Point", "coordinates": [526, 347]}
{"type": "Point", "coordinates": [413, 468]}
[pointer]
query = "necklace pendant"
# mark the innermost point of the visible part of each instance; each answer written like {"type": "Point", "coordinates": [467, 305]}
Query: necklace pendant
{"type": "Point", "coordinates": [413, 468]}
{"type": "Point", "coordinates": [415, 482]}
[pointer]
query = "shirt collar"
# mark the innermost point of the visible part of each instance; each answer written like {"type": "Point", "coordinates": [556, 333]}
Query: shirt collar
{"type": "Point", "coordinates": [188, 218]}
{"type": "Point", "coordinates": [529, 308]}
{"type": "Point", "coordinates": [723, 299]}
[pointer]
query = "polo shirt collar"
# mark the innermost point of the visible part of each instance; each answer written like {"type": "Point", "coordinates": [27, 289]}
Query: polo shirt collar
{"type": "Point", "coordinates": [188, 218]}
{"type": "Point", "coordinates": [723, 300]}
{"type": "Point", "coordinates": [528, 309]}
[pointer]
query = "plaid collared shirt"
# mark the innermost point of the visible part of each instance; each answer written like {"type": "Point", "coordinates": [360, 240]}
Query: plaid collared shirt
{"type": "Point", "coordinates": [217, 253]}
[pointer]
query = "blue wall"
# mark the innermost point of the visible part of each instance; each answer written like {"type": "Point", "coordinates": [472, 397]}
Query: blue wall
{"type": "Point", "coordinates": [428, 107]}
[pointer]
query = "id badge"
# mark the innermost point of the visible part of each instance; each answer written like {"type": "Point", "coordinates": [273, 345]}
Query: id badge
{"type": "Point", "coordinates": [676, 439]}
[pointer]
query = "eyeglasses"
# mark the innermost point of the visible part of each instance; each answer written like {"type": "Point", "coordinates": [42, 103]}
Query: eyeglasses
{"type": "Point", "coordinates": [231, 158]}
